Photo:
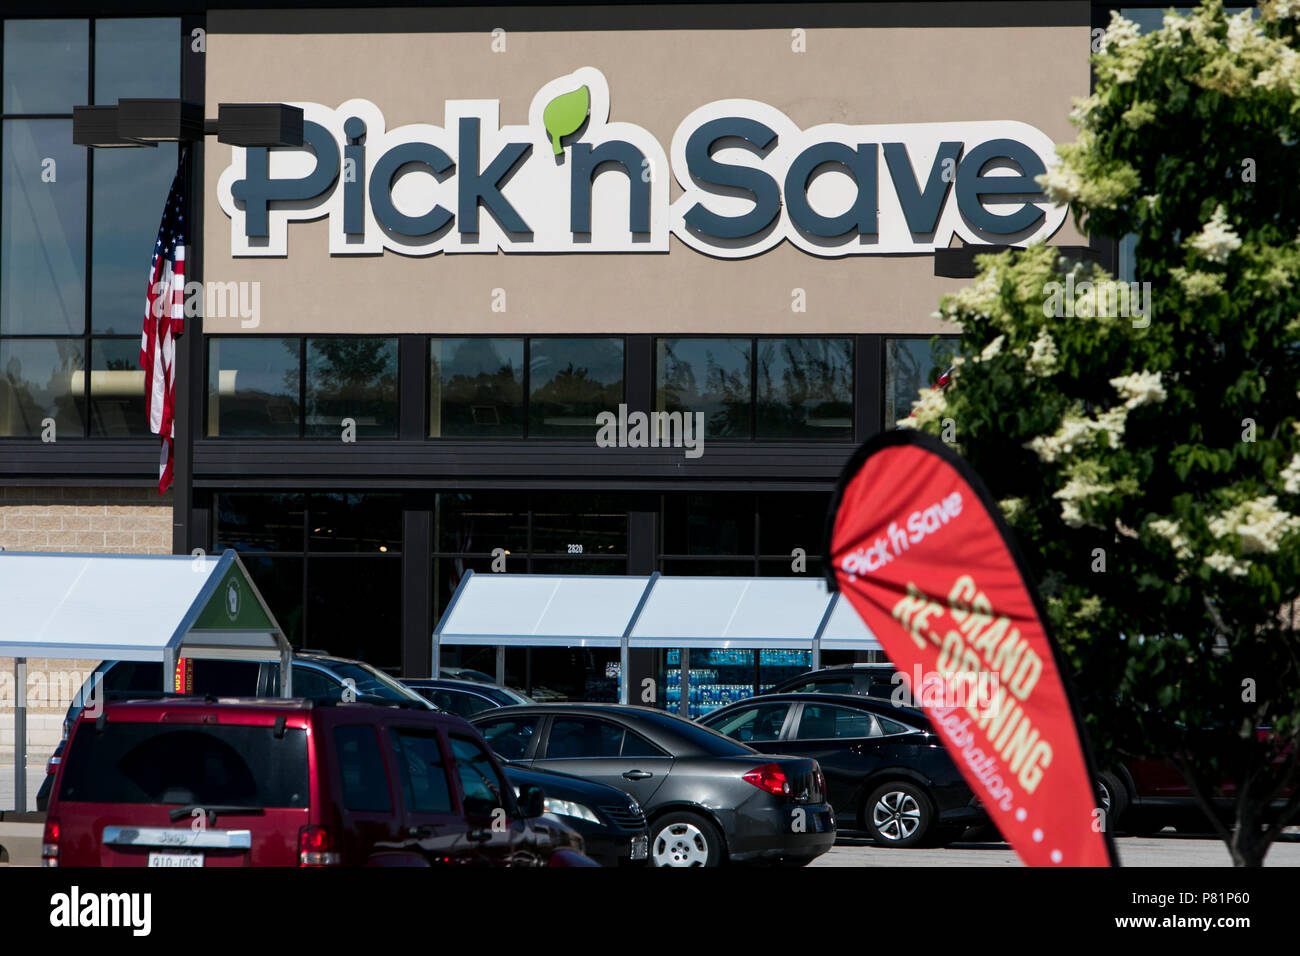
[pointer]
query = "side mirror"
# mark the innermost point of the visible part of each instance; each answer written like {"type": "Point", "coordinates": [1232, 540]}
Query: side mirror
{"type": "Point", "coordinates": [532, 802]}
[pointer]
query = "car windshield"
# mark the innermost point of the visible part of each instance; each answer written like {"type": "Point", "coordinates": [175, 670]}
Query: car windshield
{"type": "Point", "coordinates": [372, 683]}
{"type": "Point", "coordinates": [503, 695]}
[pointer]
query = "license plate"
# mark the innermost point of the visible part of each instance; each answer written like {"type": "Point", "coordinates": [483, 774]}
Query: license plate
{"type": "Point", "coordinates": [175, 859]}
{"type": "Point", "coordinates": [640, 847]}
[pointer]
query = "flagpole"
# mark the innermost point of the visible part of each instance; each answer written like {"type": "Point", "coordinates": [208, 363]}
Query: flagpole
{"type": "Point", "coordinates": [188, 362]}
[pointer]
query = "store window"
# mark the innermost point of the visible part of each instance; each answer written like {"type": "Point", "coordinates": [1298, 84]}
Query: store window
{"type": "Point", "coordinates": [912, 365]}
{"type": "Point", "coordinates": [476, 388]}
{"type": "Point", "coordinates": [43, 253]}
{"type": "Point", "coordinates": [744, 534]}
{"type": "Point", "coordinates": [117, 406]}
{"type": "Point", "coordinates": [571, 381]}
{"type": "Point", "coordinates": [804, 388]}
{"type": "Point", "coordinates": [351, 378]}
{"type": "Point", "coordinates": [720, 677]}
{"type": "Point", "coordinates": [711, 377]}
{"type": "Point", "coordinates": [765, 388]}
{"type": "Point", "coordinates": [253, 387]}
{"type": "Point", "coordinates": [259, 387]}
{"type": "Point", "coordinates": [328, 564]}
{"type": "Point", "coordinates": [40, 382]}
{"type": "Point", "coordinates": [46, 65]}
{"type": "Point", "coordinates": [78, 313]}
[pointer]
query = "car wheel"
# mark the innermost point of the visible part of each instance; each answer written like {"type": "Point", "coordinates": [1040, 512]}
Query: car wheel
{"type": "Point", "coordinates": [684, 839]}
{"type": "Point", "coordinates": [1113, 799]}
{"type": "Point", "coordinates": [899, 815]}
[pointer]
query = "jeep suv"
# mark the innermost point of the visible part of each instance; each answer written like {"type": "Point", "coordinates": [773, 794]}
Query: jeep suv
{"type": "Point", "coordinates": [188, 782]}
{"type": "Point", "coordinates": [315, 675]}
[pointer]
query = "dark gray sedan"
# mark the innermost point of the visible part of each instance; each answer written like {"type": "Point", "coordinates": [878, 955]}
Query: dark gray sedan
{"type": "Point", "coordinates": [708, 798]}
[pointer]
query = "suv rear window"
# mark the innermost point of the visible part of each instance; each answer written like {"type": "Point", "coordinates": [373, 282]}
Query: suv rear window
{"type": "Point", "coordinates": [183, 764]}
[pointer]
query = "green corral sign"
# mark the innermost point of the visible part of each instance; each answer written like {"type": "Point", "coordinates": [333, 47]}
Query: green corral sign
{"type": "Point", "coordinates": [233, 606]}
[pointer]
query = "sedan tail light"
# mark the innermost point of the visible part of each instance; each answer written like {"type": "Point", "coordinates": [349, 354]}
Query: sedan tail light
{"type": "Point", "coordinates": [769, 777]}
{"type": "Point", "coordinates": [318, 846]}
{"type": "Point", "coordinates": [50, 843]}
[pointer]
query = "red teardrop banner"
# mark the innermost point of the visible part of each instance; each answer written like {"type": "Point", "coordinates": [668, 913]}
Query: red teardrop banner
{"type": "Point", "coordinates": [918, 547]}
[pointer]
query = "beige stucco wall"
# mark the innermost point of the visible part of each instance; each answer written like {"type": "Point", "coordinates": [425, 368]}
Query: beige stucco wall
{"type": "Point", "coordinates": [93, 520]}
{"type": "Point", "coordinates": [656, 77]}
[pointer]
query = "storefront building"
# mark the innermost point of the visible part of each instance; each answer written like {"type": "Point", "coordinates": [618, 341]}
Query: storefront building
{"type": "Point", "coordinates": [584, 289]}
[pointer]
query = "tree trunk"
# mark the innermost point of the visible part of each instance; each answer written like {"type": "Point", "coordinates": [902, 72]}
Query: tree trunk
{"type": "Point", "coordinates": [1250, 842]}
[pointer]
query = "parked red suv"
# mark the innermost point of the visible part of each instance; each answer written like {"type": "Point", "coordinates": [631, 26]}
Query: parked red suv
{"type": "Point", "coordinates": [262, 782]}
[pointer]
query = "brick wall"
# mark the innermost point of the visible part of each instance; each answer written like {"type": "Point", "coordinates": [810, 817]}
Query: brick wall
{"type": "Point", "coordinates": [97, 520]}
{"type": "Point", "coordinates": [92, 520]}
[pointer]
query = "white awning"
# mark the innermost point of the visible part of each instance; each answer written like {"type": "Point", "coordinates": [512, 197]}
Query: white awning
{"type": "Point", "coordinates": [133, 607]}
{"type": "Point", "coordinates": [732, 613]}
{"type": "Point", "coordinates": [542, 610]}
{"type": "Point", "coordinates": [593, 610]}
{"type": "Point", "coordinates": [845, 630]}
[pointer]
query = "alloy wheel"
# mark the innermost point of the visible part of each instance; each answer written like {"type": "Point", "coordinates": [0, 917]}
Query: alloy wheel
{"type": "Point", "coordinates": [896, 815]}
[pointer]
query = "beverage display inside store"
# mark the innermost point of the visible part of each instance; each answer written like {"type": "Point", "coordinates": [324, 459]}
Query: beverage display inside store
{"type": "Point", "coordinates": [721, 677]}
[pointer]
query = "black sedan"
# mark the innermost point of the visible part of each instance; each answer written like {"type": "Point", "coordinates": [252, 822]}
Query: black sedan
{"type": "Point", "coordinates": [707, 797]}
{"type": "Point", "coordinates": [611, 823]}
{"type": "Point", "coordinates": [885, 767]}
{"type": "Point", "coordinates": [464, 698]}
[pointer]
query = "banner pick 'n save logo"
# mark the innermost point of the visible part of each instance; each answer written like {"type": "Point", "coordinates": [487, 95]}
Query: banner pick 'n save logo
{"type": "Point", "coordinates": [916, 546]}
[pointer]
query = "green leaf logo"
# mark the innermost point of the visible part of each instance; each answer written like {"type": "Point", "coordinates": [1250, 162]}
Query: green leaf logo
{"type": "Point", "coordinates": [565, 114]}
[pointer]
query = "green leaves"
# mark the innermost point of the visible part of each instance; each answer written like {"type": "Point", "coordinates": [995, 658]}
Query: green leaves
{"type": "Point", "coordinates": [565, 115]}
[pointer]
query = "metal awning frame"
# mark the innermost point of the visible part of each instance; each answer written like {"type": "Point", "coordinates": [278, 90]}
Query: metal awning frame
{"type": "Point", "coordinates": [624, 642]}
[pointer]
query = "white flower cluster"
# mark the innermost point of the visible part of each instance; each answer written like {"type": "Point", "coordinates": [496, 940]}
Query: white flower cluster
{"type": "Point", "coordinates": [1083, 107]}
{"type": "Point", "coordinates": [1171, 532]}
{"type": "Point", "coordinates": [1042, 358]}
{"type": "Point", "coordinates": [1242, 31]}
{"type": "Point", "coordinates": [1290, 476]}
{"type": "Point", "coordinates": [1140, 388]}
{"type": "Point", "coordinates": [992, 349]}
{"type": "Point", "coordinates": [978, 297]}
{"type": "Point", "coordinates": [1282, 74]}
{"type": "Point", "coordinates": [1076, 491]}
{"type": "Point", "coordinates": [1077, 432]}
{"type": "Point", "coordinates": [1283, 9]}
{"type": "Point", "coordinates": [1119, 34]}
{"type": "Point", "coordinates": [929, 407]}
{"type": "Point", "coordinates": [1216, 240]}
{"type": "Point", "coordinates": [1258, 524]}
{"type": "Point", "coordinates": [1227, 564]}
{"type": "Point", "coordinates": [1062, 183]}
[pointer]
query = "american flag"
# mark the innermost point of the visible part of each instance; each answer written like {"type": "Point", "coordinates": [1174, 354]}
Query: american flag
{"type": "Point", "coordinates": [164, 319]}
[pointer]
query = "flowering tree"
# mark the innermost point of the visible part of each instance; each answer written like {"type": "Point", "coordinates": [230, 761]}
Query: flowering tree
{"type": "Point", "coordinates": [1144, 438]}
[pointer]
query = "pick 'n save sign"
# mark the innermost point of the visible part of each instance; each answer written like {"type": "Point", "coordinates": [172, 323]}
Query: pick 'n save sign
{"type": "Point", "coordinates": [917, 547]}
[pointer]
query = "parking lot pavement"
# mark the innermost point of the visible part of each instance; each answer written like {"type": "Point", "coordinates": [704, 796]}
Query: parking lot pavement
{"type": "Point", "coordinates": [1166, 849]}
